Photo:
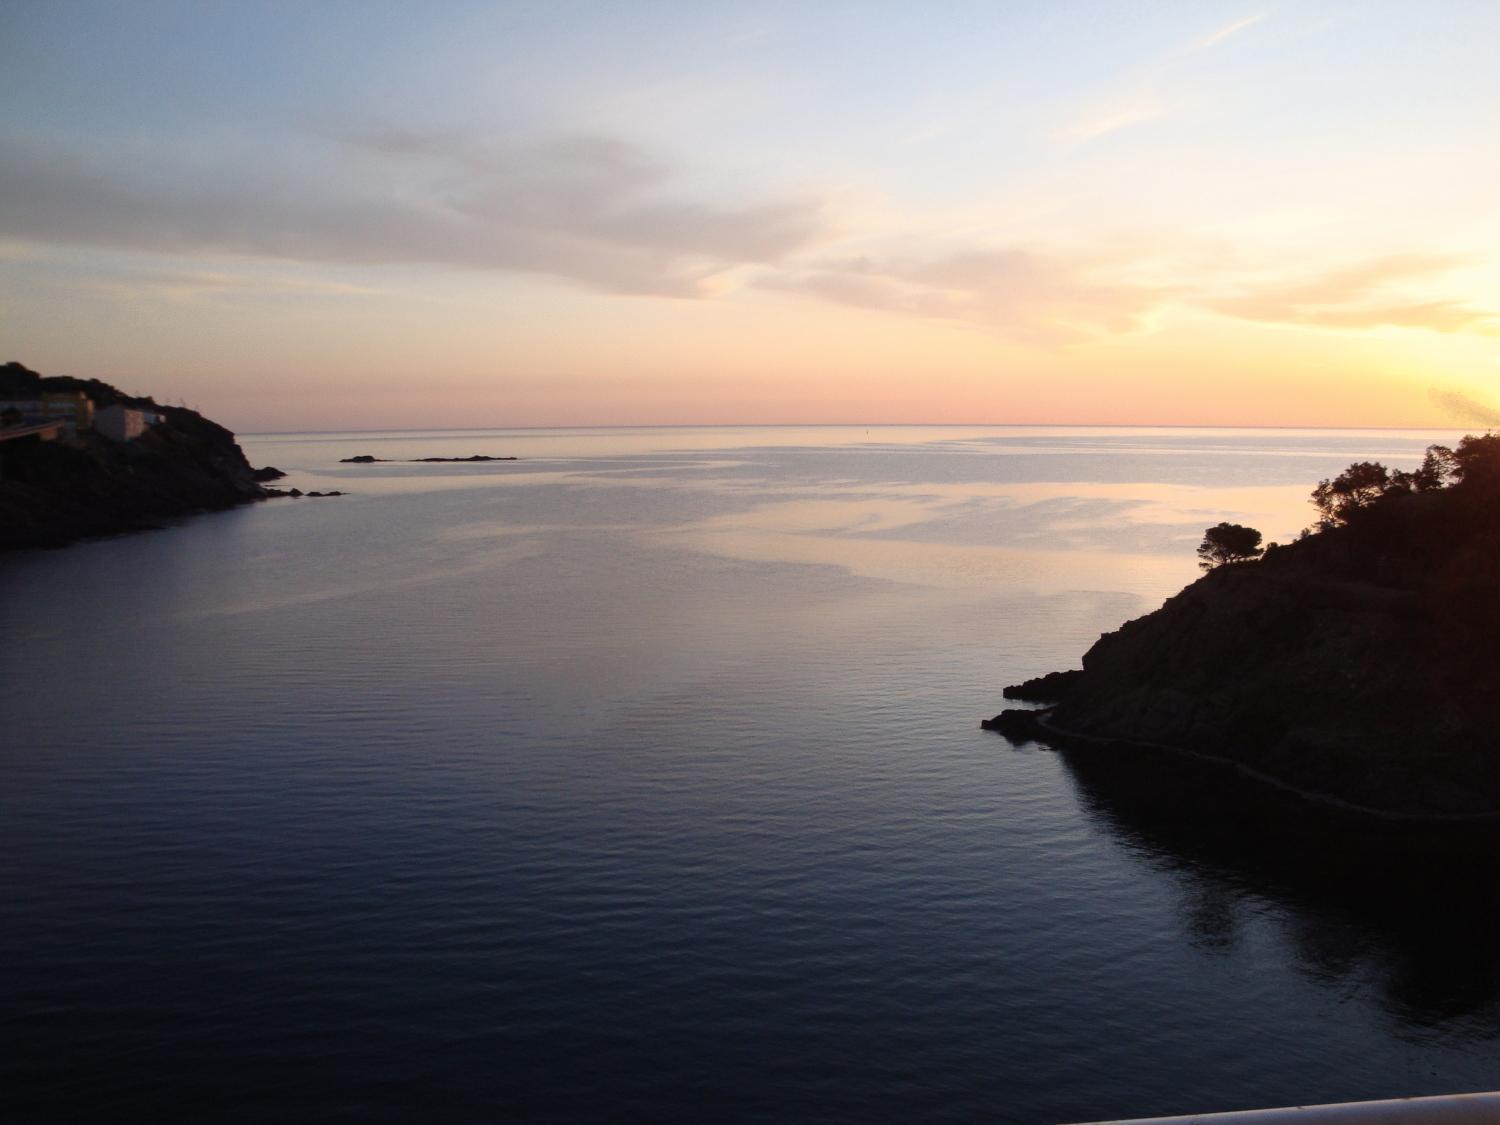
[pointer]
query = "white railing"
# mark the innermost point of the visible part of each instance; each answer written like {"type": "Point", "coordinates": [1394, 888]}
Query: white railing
{"type": "Point", "coordinates": [1445, 1109]}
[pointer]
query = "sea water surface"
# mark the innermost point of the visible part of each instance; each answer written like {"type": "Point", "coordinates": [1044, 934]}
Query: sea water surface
{"type": "Point", "coordinates": [642, 778]}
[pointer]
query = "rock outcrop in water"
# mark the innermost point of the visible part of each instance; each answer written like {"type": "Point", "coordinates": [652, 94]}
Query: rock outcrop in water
{"type": "Point", "coordinates": [83, 483]}
{"type": "Point", "coordinates": [371, 459]}
{"type": "Point", "coordinates": [1357, 665]}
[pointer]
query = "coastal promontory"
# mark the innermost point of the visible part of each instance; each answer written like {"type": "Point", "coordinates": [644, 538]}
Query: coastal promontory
{"type": "Point", "coordinates": [80, 458]}
{"type": "Point", "coordinates": [1356, 666]}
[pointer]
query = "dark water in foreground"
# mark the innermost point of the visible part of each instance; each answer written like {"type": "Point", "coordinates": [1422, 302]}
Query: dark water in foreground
{"type": "Point", "coordinates": [642, 778]}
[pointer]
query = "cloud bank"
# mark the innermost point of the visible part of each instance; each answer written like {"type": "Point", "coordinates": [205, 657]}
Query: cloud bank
{"type": "Point", "coordinates": [605, 213]}
{"type": "Point", "coordinates": [594, 210]}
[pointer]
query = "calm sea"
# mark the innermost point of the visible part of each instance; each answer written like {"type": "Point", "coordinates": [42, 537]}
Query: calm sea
{"type": "Point", "coordinates": [642, 778]}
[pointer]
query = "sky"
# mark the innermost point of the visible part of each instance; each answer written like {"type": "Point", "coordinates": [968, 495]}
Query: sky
{"type": "Point", "coordinates": [376, 215]}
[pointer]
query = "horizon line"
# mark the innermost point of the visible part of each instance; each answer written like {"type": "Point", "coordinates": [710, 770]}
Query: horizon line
{"type": "Point", "coordinates": [856, 426]}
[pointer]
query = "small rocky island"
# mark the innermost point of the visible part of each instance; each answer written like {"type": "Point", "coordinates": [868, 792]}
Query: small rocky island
{"type": "Point", "coordinates": [80, 458]}
{"type": "Point", "coordinates": [370, 459]}
{"type": "Point", "coordinates": [1356, 666]}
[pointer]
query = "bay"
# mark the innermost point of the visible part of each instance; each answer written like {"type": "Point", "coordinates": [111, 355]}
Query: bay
{"type": "Point", "coordinates": [641, 777]}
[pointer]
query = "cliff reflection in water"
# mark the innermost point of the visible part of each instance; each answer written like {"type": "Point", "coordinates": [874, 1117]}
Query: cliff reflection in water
{"type": "Point", "coordinates": [1406, 912]}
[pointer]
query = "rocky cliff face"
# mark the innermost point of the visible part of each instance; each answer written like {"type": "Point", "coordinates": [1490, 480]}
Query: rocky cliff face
{"type": "Point", "coordinates": [53, 493]}
{"type": "Point", "coordinates": [1359, 664]}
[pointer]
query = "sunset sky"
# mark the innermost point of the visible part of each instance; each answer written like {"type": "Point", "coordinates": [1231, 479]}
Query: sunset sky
{"type": "Point", "coordinates": [365, 215]}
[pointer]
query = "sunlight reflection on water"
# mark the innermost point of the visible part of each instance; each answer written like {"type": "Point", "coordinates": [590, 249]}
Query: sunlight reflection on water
{"type": "Point", "coordinates": [642, 777]}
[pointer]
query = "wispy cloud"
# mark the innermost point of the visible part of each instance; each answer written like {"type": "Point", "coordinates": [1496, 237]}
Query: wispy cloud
{"type": "Point", "coordinates": [595, 210]}
{"type": "Point", "coordinates": [1228, 31]}
{"type": "Point", "coordinates": [1049, 298]}
{"type": "Point", "coordinates": [193, 285]}
{"type": "Point", "coordinates": [1112, 120]}
{"type": "Point", "coordinates": [1151, 93]}
{"type": "Point", "coordinates": [1359, 296]}
{"type": "Point", "coordinates": [1026, 295]}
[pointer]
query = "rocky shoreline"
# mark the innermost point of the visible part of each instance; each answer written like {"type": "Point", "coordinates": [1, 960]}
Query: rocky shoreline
{"type": "Point", "coordinates": [1351, 667]}
{"type": "Point", "coordinates": [1036, 726]}
{"type": "Point", "coordinates": [82, 484]}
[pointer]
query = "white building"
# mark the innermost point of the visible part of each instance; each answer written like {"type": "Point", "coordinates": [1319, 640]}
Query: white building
{"type": "Point", "coordinates": [123, 423]}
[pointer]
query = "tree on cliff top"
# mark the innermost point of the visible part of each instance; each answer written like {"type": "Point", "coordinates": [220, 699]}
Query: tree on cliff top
{"type": "Point", "coordinates": [1473, 465]}
{"type": "Point", "coordinates": [1476, 461]}
{"type": "Point", "coordinates": [1358, 486]}
{"type": "Point", "coordinates": [1434, 471]}
{"type": "Point", "coordinates": [1227, 543]}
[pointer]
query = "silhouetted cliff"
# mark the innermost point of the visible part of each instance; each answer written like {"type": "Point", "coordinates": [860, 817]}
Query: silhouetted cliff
{"type": "Point", "coordinates": [54, 492]}
{"type": "Point", "coordinates": [1356, 664]}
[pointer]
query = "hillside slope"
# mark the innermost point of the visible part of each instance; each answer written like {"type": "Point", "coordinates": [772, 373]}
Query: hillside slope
{"type": "Point", "coordinates": [52, 493]}
{"type": "Point", "coordinates": [1358, 664]}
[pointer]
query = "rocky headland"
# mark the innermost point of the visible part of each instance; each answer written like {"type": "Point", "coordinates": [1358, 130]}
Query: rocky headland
{"type": "Point", "coordinates": [1356, 666]}
{"type": "Point", "coordinates": [56, 488]}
